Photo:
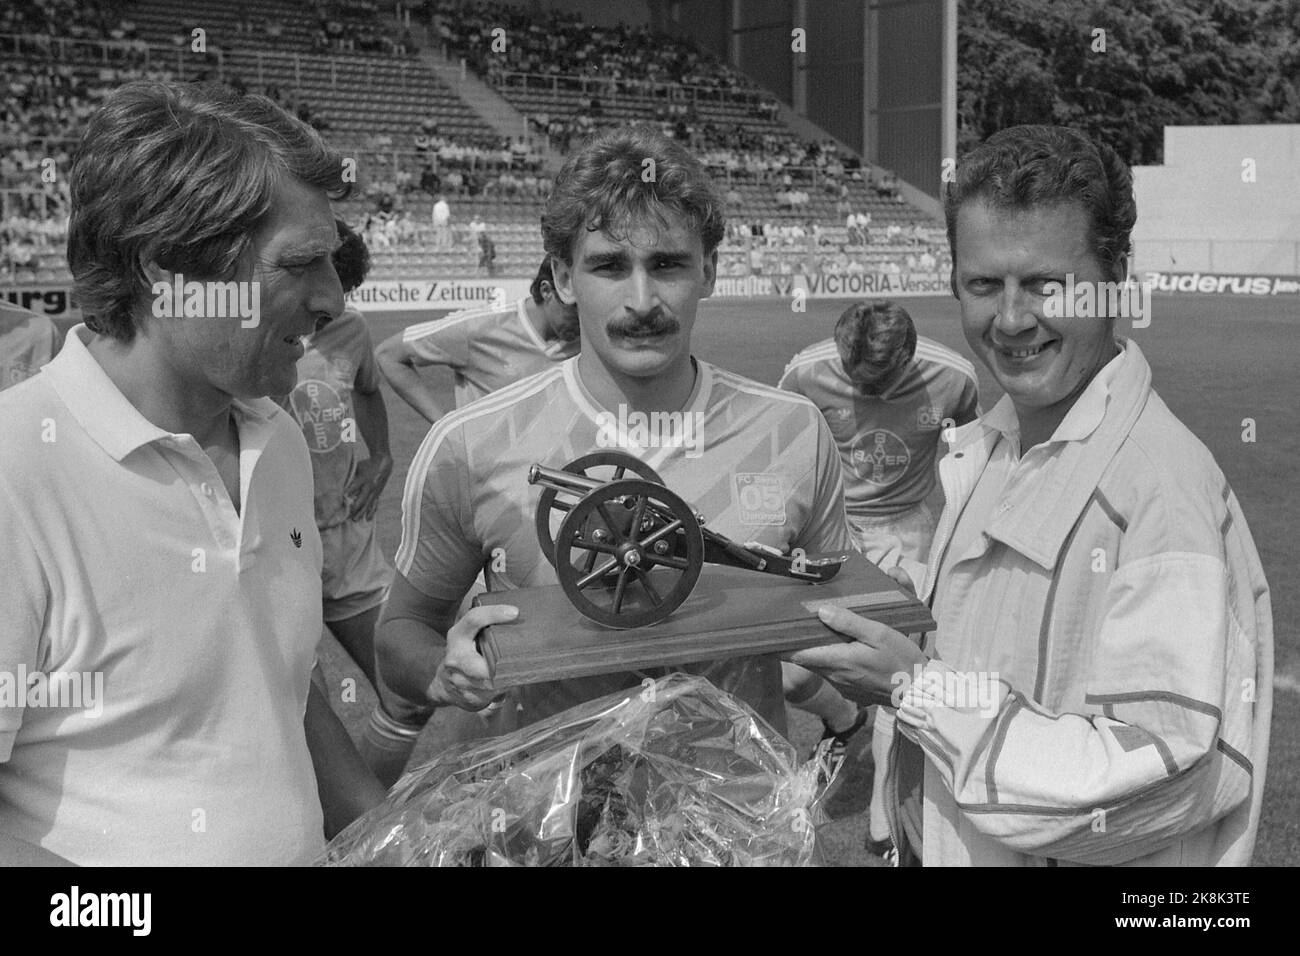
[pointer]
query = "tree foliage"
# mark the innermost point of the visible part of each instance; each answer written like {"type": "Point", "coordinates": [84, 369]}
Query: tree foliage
{"type": "Point", "coordinates": [1124, 69]}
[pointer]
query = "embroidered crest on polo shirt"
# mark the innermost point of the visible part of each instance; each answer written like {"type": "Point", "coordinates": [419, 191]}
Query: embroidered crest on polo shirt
{"type": "Point", "coordinates": [296, 537]}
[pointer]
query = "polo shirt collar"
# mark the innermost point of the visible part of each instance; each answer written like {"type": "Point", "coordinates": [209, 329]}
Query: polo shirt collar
{"type": "Point", "coordinates": [1079, 422]}
{"type": "Point", "coordinates": [1002, 418]}
{"type": "Point", "coordinates": [103, 411]}
{"type": "Point", "coordinates": [1089, 408]}
{"type": "Point", "coordinates": [1050, 498]}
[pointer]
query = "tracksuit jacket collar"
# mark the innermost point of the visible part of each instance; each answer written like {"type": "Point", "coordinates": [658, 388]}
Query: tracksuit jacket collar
{"type": "Point", "coordinates": [1047, 507]}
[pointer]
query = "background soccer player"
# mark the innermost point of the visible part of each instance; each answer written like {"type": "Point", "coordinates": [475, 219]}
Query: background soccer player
{"type": "Point", "coordinates": [887, 394]}
{"type": "Point", "coordinates": [485, 348]}
{"type": "Point", "coordinates": [340, 408]}
{"type": "Point", "coordinates": [636, 255]}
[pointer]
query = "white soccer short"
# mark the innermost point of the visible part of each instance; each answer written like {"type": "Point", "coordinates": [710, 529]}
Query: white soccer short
{"type": "Point", "coordinates": [883, 540]}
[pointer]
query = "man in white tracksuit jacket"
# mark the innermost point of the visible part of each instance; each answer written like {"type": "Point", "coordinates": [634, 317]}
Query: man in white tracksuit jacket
{"type": "Point", "coordinates": [1098, 689]}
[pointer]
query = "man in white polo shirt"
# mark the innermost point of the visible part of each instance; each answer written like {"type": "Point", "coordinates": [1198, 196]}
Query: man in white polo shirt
{"type": "Point", "coordinates": [161, 566]}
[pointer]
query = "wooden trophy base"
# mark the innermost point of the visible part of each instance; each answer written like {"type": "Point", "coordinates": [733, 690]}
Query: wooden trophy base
{"type": "Point", "coordinates": [731, 613]}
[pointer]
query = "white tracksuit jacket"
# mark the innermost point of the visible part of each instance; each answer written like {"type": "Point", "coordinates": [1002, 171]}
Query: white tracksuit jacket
{"type": "Point", "coordinates": [1119, 600]}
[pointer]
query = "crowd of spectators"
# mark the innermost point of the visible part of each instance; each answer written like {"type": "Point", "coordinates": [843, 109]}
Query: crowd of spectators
{"type": "Point", "coordinates": [625, 59]}
{"type": "Point", "coordinates": [385, 228]}
{"type": "Point", "coordinates": [46, 104]}
{"type": "Point", "coordinates": [730, 151]}
{"type": "Point", "coordinates": [355, 25]}
{"type": "Point", "coordinates": [29, 243]}
{"type": "Point", "coordinates": [834, 259]}
{"type": "Point", "coordinates": [47, 21]}
{"type": "Point", "coordinates": [480, 153]}
{"type": "Point", "coordinates": [48, 100]}
{"type": "Point", "coordinates": [740, 153]}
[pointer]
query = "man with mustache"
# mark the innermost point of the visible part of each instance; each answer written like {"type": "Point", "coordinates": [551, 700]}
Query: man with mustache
{"type": "Point", "coordinates": [1099, 687]}
{"type": "Point", "coordinates": [632, 227]}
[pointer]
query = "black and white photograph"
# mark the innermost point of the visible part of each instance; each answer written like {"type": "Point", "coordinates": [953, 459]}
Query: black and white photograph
{"type": "Point", "coordinates": [650, 433]}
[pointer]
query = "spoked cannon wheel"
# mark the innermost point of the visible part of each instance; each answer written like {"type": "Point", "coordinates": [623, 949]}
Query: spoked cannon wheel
{"type": "Point", "coordinates": [629, 553]}
{"type": "Point", "coordinates": [599, 466]}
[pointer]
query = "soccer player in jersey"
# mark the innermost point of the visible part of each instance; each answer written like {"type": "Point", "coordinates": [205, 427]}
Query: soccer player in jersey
{"type": "Point", "coordinates": [27, 342]}
{"type": "Point", "coordinates": [340, 408]}
{"type": "Point", "coordinates": [485, 348]}
{"type": "Point", "coordinates": [887, 395]}
{"type": "Point", "coordinates": [636, 253]}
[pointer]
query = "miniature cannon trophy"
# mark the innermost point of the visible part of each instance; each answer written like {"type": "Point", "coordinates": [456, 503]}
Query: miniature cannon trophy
{"type": "Point", "coordinates": [629, 553]}
{"type": "Point", "coordinates": [627, 529]}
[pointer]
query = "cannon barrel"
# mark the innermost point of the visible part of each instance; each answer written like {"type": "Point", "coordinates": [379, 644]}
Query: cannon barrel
{"type": "Point", "coordinates": [563, 480]}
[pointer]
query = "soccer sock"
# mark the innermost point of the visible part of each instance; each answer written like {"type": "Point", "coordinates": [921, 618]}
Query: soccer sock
{"type": "Point", "coordinates": [830, 705]}
{"type": "Point", "coordinates": [387, 745]}
{"type": "Point", "coordinates": [882, 738]}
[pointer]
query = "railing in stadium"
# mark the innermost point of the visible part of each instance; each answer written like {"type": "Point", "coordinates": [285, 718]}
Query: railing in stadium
{"type": "Point", "coordinates": [139, 53]}
{"type": "Point", "coordinates": [623, 87]}
{"type": "Point", "coordinates": [178, 57]}
{"type": "Point", "coordinates": [26, 44]}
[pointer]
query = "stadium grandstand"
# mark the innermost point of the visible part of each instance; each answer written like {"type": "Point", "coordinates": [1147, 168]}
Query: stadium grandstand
{"type": "Point", "coordinates": [416, 96]}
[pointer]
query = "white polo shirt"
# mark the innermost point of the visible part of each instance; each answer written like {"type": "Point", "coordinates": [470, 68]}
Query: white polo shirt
{"type": "Point", "coordinates": [180, 633]}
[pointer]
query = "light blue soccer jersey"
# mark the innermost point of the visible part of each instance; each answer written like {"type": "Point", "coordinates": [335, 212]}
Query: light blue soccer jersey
{"type": "Point", "coordinates": [889, 443]}
{"type": "Point", "coordinates": [486, 349]}
{"type": "Point", "coordinates": [765, 469]}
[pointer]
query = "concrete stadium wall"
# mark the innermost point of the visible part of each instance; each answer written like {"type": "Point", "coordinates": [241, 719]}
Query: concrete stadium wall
{"type": "Point", "coordinates": [1226, 200]}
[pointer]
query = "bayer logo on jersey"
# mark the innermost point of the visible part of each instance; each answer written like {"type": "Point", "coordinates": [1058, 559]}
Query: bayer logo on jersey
{"type": "Point", "coordinates": [321, 412]}
{"type": "Point", "coordinates": [880, 457]}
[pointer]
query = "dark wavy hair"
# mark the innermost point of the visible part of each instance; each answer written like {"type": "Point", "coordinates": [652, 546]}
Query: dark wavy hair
{"type": "Point", "coordinates": [180, 175]}
{"type": "Point", "coordinates": [544, 274]}
{"type": "Point", "coordinates": [880, 334]}
{"type": "Point", "coordinates": [1030, 166]}
{"type": "Point", "coordinates": [604, 187]}
{"type": "Point", "coordinates": [351, 258]}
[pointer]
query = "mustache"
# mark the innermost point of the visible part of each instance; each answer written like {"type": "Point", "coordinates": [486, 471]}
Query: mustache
{"type": "Point", "coordinates": [651, 325]}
